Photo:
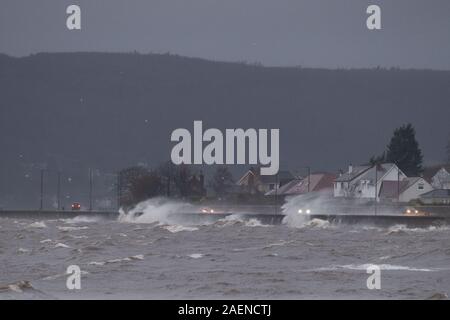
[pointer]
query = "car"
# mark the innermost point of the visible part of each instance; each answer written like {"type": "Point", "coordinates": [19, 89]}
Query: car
{"type": "Point", "coordinates": [207, 210]}
{"type": "Point", "coordinates": [304, 211]}
{"type": "Point", "coordinates": [76, 206]}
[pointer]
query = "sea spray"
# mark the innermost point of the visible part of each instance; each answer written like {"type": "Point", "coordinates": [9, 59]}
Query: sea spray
{"type": "Point", "coordinates": [156, 210]}
{"type": "Point", "coordinates": [297, 210]}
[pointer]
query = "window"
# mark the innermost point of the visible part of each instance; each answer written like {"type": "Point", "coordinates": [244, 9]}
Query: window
{"type": "Point", "coordinates": [421, 186]}
{"type": "Point", "coordinates": [271, 186]}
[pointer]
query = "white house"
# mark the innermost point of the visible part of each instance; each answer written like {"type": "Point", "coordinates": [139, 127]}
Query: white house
{"type": "Point", "coordinates": [405, 190]}
{"type": "Point", "coordinates": [365, 181]}
{"type": "Point", "coordinates": [441, 180]}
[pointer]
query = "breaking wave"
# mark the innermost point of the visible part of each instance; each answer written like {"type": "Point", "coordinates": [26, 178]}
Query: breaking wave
{"type": "Point", "coordinates": [81, 219]}
{"type": "Point", "coordinates": [178, 228]}
{"type": "Point", "coordinates": [196, 255]}
{"type": "Point", "coordinates": [363, 267]}
{"type": "Point", "coordinates": [127, 259]}
{"type": "Point", "coordinates": [67, 229]}
{"type": "Point", "coordinates": [403, 229]}
{"type": "Point", "coordinates": [308, 202]}
{"type": "Point", "coordinates": [237, 219]}
{"type": "Point", "coordinates": [37, 224]}
{"type": "Point", "coordinates": [158, 210]}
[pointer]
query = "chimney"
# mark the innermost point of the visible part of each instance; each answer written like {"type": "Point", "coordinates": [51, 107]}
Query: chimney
{"type": "Point", "coordinates": [350, 168]}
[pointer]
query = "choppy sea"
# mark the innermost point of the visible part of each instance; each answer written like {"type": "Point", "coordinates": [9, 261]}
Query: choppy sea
{"type": "Point", "coordinates": [150, 256]}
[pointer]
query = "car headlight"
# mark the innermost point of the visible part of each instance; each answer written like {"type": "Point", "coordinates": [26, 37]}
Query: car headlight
{"type": "Point", "coordinates": [300, 211]}
{"type": "Point", "coordinates": [308, 211]}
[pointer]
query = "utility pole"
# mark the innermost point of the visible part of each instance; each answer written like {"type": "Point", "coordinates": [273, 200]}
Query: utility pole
{"type": "Point", "coordinates": [168, 178]}
{"type": "Point", "coordinates": [58, 192]}
{"type": "Point", "coordinates": [276, 193]}
{"type": "Point", "coordinates": [41, 207]}
{"type": "Point", "coordinates": [118, 190]}
{"type": "Point", "coordinates": [376, 187]}
{"type": "Point", "coordinates": [90, 189]}
{"type": "Point", "coordinates": [309, 177]}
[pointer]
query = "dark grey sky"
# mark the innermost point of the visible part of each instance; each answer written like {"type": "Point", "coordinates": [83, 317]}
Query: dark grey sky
{"type": "Point", "coordinates": [324, 33]}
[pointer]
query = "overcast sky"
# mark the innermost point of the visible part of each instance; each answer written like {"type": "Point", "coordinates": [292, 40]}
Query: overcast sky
{"type": "Point", "coordinates": [319, 33]}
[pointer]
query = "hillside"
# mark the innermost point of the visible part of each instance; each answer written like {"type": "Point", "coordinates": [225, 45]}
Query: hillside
{"type": "Point", "coordinates": [71, 111]}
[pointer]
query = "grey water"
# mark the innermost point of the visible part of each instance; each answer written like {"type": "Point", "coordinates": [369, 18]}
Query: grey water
{"type": "Point", "coordinates": [150, 257]}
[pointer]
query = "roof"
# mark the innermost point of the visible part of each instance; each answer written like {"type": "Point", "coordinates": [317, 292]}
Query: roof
{"type": "Point", "coordinates": [381, 170]}
{"type": "Point", "coordinates": [366, 173]}
{"type": "Point", "coordinates": [317, 181]}
{"type": "Point", "coordinates": [281, 176]}
{"type": "Point", "coordinates": [390, 189]}
{"type": "Point", "coordinates": [438, 193]}
{"type": "Point", "coordinates": [284, 188]}
{"type": "Point", "coordinates": [356, 171]}
{"type": "Point", "coordinates": [430, 172]}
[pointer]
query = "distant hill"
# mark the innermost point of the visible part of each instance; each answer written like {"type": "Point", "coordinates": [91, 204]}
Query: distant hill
{"type": "Point", "coordinates": [71, 111]}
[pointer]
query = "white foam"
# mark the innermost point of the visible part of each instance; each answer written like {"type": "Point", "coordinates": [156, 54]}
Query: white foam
{"type": "Point", "coordinates": [155, 210]}
{"type": "Point", "coordinates": [66, 229]}
{"type": "Point", "coordinates": [37, 224]}
{"type": "Point", "coordinates": [364, 267]}
{"type": "Point", "coordinates": [255, 223]}
{"type": "Point", "coordinates": [45, 241]}
{"type": "Point", "coordinates": [126, 259]}
{"type": "Point", "coordinates": [230, 220]}
{"type": "Point", "coordinates": [81, 219]}
{"type": "Point", "coordinates": [178, 228]}
{"type": "Point", "coordinates": [196, 255]}
{"type": "Point", "coordinates": [61, 245]}
{"type": "Point", "coordinates": [400, 228]}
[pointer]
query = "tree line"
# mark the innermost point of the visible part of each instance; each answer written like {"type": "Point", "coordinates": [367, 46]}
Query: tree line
{"type": "Point", "coordinates": [138, 183]}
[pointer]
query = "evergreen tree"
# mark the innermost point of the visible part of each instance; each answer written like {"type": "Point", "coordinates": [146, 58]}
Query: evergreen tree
{"type": "Point", "coordinates": [404, 151]}
{"type": "Point", "coordinates": [377, 159]}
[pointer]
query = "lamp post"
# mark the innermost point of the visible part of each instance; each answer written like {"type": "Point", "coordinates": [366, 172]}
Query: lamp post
{"type": "Point", "coordinates": [41, 206]}
{"type": "Point", "coordinates": [58, 192]}
{"type": "Point", "coordinates": [376, 188]}
{"type": "Point", "coordinates": [90, 189]}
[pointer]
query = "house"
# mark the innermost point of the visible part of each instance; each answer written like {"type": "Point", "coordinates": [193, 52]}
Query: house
{"type": "Point", "coordinates": [436, 197]}
{"type": "Point", "coordinates": [252, 182]}
{"type": "Point", "coordinates": [365, 181]}
{"type": "Point", "coordinates": [316, 181]}
{"type": "Point", "coordinates": [438, 176]}
{"type": "Point", "coordinates": [405, 190]}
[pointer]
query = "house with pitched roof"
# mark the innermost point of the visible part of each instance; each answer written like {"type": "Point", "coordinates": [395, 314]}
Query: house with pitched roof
{"type": "Point", "coordinates": [252, 182]}
{"type": "Point", "coordinates": [438, 176]}
{"type": "Point", "coordinates": [404, 191]}
{"type": "Point", "coordinates": [313, 183]}
{"type": "Point", "coordinates": [365, 181]}
{"type": "Point", "coordinates": [385, 182]}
